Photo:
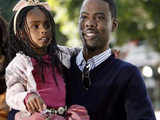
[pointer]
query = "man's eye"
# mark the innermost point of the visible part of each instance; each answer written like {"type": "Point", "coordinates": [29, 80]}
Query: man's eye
{"type": "Point", "coordinates": [101, 17]}
{"type": "Point", "coordinates": [83, 16]}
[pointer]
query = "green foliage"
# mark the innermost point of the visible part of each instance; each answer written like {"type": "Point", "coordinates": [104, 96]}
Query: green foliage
{"type": "Point", "coordinates": [6, 8]}
{"type": "Point", "coordinates": [132, 20]}
{"type": "Point", "coordinates": [67, 21]}
{"type": "Point", "coordinates": [153, 9]}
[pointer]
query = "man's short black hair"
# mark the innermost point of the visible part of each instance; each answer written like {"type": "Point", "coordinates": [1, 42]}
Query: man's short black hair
{"type": "Point", "coordinates": [112, 6]}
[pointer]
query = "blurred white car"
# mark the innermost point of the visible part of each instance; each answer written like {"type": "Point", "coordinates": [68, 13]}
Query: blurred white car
{"type": "Point", "coordinates": [157, 113]}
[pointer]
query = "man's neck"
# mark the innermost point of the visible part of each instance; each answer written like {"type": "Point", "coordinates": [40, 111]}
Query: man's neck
{"type": "Point", "coordinates": [91, 53]}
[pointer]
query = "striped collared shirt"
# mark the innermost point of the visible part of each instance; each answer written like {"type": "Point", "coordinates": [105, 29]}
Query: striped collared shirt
{"type": "Point", "coordinates": [92, 62]}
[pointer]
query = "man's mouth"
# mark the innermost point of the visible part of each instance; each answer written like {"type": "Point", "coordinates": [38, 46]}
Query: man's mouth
{"type": "Point", "coordinates": [90, 34]}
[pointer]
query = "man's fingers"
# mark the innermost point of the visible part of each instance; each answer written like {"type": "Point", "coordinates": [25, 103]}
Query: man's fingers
{"type": "Point", "coordinates": [75, 116]}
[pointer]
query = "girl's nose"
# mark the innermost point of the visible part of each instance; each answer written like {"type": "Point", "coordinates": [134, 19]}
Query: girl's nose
{"type": "Point", "coordinates": [43, 31]}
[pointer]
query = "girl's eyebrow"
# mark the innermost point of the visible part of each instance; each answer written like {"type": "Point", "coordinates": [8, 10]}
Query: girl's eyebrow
{"type": "Point", "coordinates": [36, 21]}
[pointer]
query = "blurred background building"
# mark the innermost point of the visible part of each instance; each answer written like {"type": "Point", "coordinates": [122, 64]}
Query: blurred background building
{"type": "Point", "coordinates": [148, 61]}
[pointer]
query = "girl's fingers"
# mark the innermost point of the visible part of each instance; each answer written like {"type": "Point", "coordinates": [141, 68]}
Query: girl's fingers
{"type": "Point", "coordinates": [30, 107]}
{"type": "Point", "coordinates": [33, 105]}
{"type": "Point", "coordinates": [39, 105]}
{"type": "Point", "coordinates": [44, 107]}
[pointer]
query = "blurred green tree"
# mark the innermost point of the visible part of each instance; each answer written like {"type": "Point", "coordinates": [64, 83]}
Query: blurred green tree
{"type": "Point", "coordinates": [152, 7]}
{"type": "Point", "coordinates": [6, 8]}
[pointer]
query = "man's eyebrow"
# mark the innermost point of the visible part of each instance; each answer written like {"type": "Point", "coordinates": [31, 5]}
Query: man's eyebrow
{"type": "Point", "coordinates": [83, 12]}
{"type": "Point", "coordinates": [101, 13]}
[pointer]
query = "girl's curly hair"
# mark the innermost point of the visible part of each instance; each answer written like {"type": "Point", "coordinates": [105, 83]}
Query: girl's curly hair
{"type": "Point", "coordinates": [3, 51]}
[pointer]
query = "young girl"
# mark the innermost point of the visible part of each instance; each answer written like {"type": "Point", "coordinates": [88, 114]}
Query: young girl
{"type": "Point", "coordinates": [34, 77]}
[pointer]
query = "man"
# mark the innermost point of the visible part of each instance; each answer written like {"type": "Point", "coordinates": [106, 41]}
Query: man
{"type": "Point", "coordinates": [109, 88]}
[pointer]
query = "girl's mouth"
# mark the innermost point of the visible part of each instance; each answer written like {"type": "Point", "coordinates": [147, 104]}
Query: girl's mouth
{"type": "Point", "coordinates": [44, 39]}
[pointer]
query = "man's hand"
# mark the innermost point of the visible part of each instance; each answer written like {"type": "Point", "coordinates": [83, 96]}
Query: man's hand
{"type": "Point", "coordinates": [116, 53]}
{"type": "Point", "coordinates": [35, 103]}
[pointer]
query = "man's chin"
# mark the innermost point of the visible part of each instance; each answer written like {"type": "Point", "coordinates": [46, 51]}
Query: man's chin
{"type": "Point", "coordinates": [91, 48]}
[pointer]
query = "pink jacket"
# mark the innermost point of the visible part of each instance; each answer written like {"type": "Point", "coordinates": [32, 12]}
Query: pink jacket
{"type": "Point", "coordinates": [19, 78]}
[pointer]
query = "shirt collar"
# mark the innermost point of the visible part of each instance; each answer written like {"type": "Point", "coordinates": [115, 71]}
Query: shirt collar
{"type": "Point", "coordinates": [94, 61]}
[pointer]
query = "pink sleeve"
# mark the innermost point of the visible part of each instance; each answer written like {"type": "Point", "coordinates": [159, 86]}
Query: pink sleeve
{"type": "Point", "coordinates": [26, 98]}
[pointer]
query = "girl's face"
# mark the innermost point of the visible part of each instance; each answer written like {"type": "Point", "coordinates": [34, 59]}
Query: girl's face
{"type": "Point", "coordinates": [39, 28]}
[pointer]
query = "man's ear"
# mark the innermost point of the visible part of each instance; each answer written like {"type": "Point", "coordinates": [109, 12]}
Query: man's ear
{"type": "Point", "coordinates": [114, 24]}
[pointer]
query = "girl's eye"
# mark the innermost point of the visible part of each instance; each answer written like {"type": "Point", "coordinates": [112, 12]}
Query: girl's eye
{"type": "Point", "coordinates": [36, 26]}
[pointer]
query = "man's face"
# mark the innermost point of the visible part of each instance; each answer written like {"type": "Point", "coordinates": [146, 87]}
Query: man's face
{"type": "Point", "coordinates": [96, 24]}
{"type": "Point", "coordinates": [39, 28]}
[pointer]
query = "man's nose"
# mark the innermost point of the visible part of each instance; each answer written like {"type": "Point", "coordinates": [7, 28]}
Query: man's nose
{"type": "Point", "coordinates": [90, 23]}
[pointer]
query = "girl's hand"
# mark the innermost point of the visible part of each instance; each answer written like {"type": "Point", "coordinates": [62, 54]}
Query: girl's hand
{"type": "Point", "coordinates": [35, 103]}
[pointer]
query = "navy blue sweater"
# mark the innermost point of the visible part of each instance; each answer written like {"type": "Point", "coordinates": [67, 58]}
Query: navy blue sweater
{"type": "Point", "coordinates": [117, 91]}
